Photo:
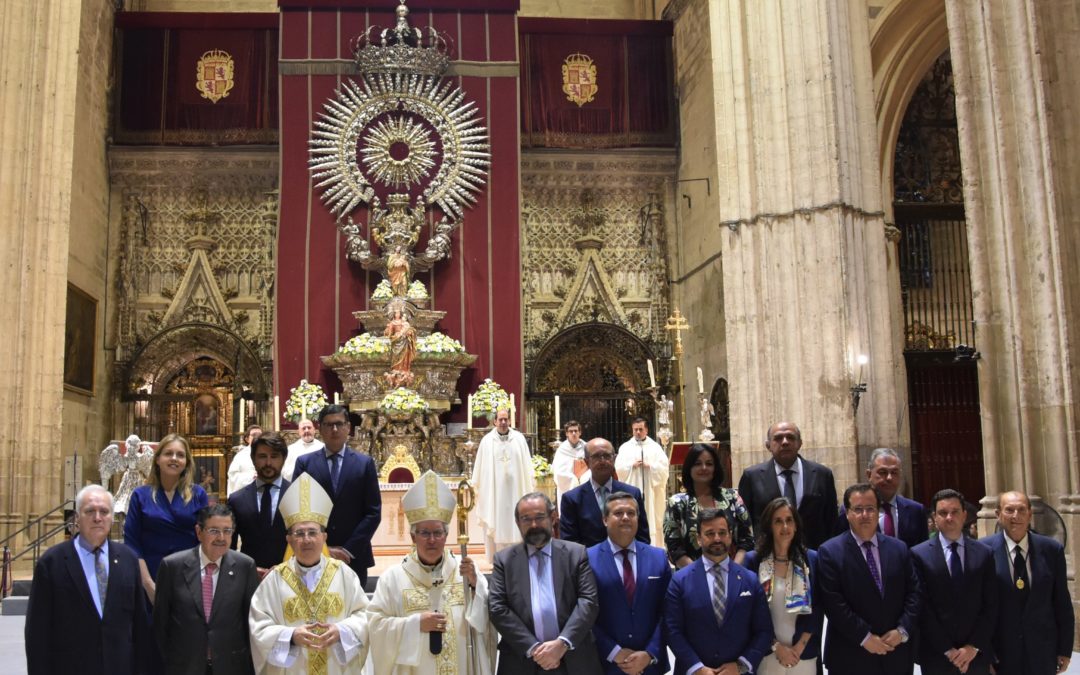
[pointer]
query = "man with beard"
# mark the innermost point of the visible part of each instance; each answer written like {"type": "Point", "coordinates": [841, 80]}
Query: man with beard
{"type": "Point", "coordinates": [543, 598]}
{"type": "Point", "coordinates": [301, 446]}
{"type": "Point", "coordinates": [717, 618]}
{"type": "Point", "coordinates": [582, 515]}
{"type": "Point", "coordinates": [503, 472]}
{"type": "Point", "coordinates": [259, 525]}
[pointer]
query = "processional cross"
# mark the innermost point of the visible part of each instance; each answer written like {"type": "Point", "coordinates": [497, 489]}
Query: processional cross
{"type": "Point", "coordinates": [677, 323]}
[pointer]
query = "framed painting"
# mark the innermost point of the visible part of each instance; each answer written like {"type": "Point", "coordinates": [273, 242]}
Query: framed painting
{"type": "Point", "coordinates": [80, 329]}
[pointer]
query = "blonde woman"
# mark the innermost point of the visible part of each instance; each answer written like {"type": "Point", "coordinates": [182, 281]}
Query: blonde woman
{"type": "Point", "coordinates": [161, 514]}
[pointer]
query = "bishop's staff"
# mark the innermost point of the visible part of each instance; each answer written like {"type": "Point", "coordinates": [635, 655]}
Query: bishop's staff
{"type": "Point", "coordinates": [466, 500]}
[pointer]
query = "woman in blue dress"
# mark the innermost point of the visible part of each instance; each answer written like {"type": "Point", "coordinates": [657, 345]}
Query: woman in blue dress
{"type": "Point", "coordinates": [161, 515]}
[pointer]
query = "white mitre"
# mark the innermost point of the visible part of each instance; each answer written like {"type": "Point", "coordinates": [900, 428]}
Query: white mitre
{"type": "Point", "coordinates": [429, 499]}
{"type": "Point", "coordinates": [305, 502]}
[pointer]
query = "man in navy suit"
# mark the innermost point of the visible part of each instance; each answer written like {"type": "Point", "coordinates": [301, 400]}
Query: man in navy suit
{"type": "Point", "coordinates": [899, 517]}
{"type": "Point", "coordinates": [956, 574]}
{"type": "Point", "coordinates": [350, 479]}
{"type": "Point", "coordinates": [870, 593]}
{"type": "Point", "coordinates": [1034, 629]}
{"type": "Point", "coordinates": [808, 485]}
{"type": "Point", "coordinates": [87, 611]}
{"type": "Point", "coordinates": [631, 581]}
{"type": "Point", "coordinates": [715, 612]}
{"type": "Point", "coordinates": [259, 526]}
{"type": "Point", "coordinates": [582, 520]}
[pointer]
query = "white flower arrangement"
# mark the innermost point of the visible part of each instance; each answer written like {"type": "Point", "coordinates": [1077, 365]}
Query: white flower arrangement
{"type": "Point", "coordinates": [437, 343]}
{"type": "Point", "coordinates": [540, 467]}
{"type": "Point", "coordinates": [489, 398]}
{"type": "Point", "coordinates": [417, 291]}
{"type": "Point", "coordinates": [365, 344]}
{"type": "Point", "coordinates": [305, 400]}
{"type": "Point", "coordinates": [402, 400]}
{"type": "Point", "coordinates": [383, 291]}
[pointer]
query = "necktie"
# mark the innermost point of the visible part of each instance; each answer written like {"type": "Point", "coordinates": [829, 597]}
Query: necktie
{"type": "Point", "coordinates": [956, 569]}
{"type": "Point", "coordinates": [889, 526]}
{"type": "Point", "coordinates": [601, 497]}
{"type": "Point", "coordinates": [1020, 569]}
{"type": "Point", "coordinates": [335, 469]}
{"type": "Point", "coordinates": [868, 549]}
{"type": "Point", "coordinates": [789, 486]}
{"type": "Point", "coordinates": [208, 589]}
{"type": "Point", "coordinates": [628, 576]}
{"type": "Point", "coordinates": [719, 597]}
{"type": "Point", "coordinates": [102, 576]}
{"type": "Point", "coordinates": [549, 628]}
{"type": "Point", "coordinates": [264, 507]}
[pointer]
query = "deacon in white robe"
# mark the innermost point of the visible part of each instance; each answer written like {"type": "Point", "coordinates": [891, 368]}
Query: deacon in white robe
{"type": "Point", "coordinates": [568, 466]}
{"type": "Point", "coordinates": [502, 474]}
{"type": "Point", "coordinates": [430, 592]}
{"type": "Point", "coordinates": [308, 614]}
{"type": "Point", "coordinates": [643, 463]}
{"type": "Point", "coordinates": [242, 467]}
{"type": "Point", "coordinates": [302, 446]}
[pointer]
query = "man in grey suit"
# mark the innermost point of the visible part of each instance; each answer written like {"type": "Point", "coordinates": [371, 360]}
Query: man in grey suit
{"type": "Point", "coordinates": [542, 598]}
{"type": "Point", "coordinates": [195, 640]}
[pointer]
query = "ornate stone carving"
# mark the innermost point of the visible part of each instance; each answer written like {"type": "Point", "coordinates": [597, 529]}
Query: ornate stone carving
{"type": "Point", "coordinates": [927, 164]}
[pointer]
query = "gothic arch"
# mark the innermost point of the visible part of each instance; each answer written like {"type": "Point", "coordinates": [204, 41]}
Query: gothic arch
{"type": "Point", "coordinates": [167, 352]}
{"type": "Point", "coordinates": [909, 37]}
{"type": "Point", "coordinates": [617, 355]}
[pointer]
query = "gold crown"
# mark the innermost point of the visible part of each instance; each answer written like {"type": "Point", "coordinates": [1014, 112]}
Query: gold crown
{"type": "Point", "coordinates": [402, 49]}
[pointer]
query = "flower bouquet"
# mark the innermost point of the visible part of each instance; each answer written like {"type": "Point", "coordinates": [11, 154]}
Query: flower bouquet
{"type": "Point", "coordinates": [402, 403]}
{"type": "Point", "coordinates": [540, 467]}
{"type": "Point", "coordinates": [488, 399]}
{"type": "Point", "coordinates": [438, 344]}
{"type": "Point", "coordinates": [305, 401]}
{"type": "Point", "coordinates": [365, 345]}
{"type": "Point", "coordinates": [383, 292]}
{"type": "Point", "coordinates": [417, 291]}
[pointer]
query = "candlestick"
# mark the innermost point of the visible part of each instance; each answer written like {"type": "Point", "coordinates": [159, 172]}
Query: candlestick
{"type": "Point", "coordinates": [652, 373]}
{"type": "Point", "coordinates": [468, 415]}
{"type": "Point", "coordinates": [337, 398]}
{"type": "Point", "coordinates": [700, 381]}
{"type": "Point", "coordinates": [513, 413]}
{"type": "Point", "coordinates": [277, 413]}
{"type": "Point", "coordinates": [558, 425]}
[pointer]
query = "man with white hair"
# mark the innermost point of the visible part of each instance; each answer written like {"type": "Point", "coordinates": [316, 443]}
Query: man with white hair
{"type": "Point", "coordinates": [87, 611]}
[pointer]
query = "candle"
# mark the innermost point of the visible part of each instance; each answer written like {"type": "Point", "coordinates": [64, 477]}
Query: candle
{"type": "Point", "coordinates": [557, 423]}
{"type": "Point", "coordinates": [513, 413]}
{"type": "Point", "coordinates": [652, 373]}
{"type": "Point", "coordinates": [337, 398]}
{"type": "Point", "coordinates": [468, 415]}
{"type": "Point", "coordinates": [277, 413]}
{"type": "Point", "coordinates": [700, 381]}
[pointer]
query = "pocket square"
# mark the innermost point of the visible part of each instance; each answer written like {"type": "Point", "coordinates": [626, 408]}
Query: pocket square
{"type": "Point", "coordinates": [744, 594]}
{"type": "Point", "coordinates": [652, 578]}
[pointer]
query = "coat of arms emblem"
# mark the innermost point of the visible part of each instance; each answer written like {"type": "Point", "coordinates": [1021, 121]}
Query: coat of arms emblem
{"type": "Point", "coordinates": [579, 79]}
{"type": "Point", "coordinates": [214, 75]}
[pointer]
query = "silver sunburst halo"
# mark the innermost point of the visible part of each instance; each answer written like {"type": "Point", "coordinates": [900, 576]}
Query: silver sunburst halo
{"type": "Point", "coordinates": [404, 135]}
{"type": "Point", "coordinates": [344, 130]}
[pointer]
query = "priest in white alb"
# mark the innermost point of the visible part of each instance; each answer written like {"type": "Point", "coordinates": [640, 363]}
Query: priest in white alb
{"type": "Point", "coordinates": [642, 463]}
{"type": "Point", "coordinates": [308, 614]}
{"type": "Point", "coordinates": [431, 593]}
{"type": "Point", "coordinates": [301, 446]}
{"type": "Point", "coordinates": [502, 474]}
{"type": "Point", "coordinates": [568, 465]}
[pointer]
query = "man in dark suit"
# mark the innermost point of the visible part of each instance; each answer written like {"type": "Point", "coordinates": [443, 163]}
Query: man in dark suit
{"type": "Point", "coordinates": [542, 598]}
{"type": "Point", "coordinates": [87, 611]}
{"type": "Point", "coordinates": [581, 519]}
{"type": "Point", "coordinates": [870, 593]}
{"type": "Point", "coordinates": [900, 517]}
{"type": "Point", "coordinates": [259, 526]}
{"type": "Point", "coordinates": [807, 484]}
{"type": "Point", "coordinates": [716, 613]}
{"type": "Point", "coordinates": [351, 480]}
{"type": "Point", "coordinates": [1035, 623]}
{"type": "Point", "coordinates": [631, 580]}
{"type": "Point", "coordinates": [203, 600]}
{"type": "Point", "coordinates": [959, 592]}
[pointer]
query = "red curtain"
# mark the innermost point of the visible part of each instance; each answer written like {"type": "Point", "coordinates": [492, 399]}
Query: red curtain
{"type": "Point", "coordinates": [160, 104]}
{"type": "Point", "coordinates": [633, 103]}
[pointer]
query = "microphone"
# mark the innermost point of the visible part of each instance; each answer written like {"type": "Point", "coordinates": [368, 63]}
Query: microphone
{"type": "Point", "coordinates": [435, 637]}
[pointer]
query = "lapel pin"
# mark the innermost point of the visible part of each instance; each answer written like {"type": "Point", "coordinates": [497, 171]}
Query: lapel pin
{"type": "Point", "coordinates": [230, 573]}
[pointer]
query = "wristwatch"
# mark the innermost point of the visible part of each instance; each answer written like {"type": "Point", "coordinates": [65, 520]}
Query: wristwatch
{"type": "Point", "coordinates": [743, 668]}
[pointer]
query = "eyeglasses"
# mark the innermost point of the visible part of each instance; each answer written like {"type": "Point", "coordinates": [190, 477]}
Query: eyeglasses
{"type": "Point", "coordinates": [334, 426]}
{"type": "Point", "coordinates": [863, 510]}
{"type": "Point", "coordinates": [529, 520]}
{"type": "Point", "coordinates": [305, 534]}
{"type": "Point", "coordinates": [428, 534]}
{"type": "Point", "coordinates": [217, 531]}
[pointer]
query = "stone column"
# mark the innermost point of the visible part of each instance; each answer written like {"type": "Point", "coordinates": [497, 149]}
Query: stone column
{"type": "Point", "coordinates": [801, 229]}
{"type": "Point", "coordinates": [39, 74]}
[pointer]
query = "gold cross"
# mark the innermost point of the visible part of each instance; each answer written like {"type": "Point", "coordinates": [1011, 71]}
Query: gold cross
{"type": "Point", "coordinates": [677, 323]}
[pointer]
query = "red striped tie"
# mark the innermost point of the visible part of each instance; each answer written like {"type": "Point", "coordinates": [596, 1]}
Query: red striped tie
{"type": "Point", "coordinates": [208, 589]}
{"type": "Point", "coordinates": [628, 576]}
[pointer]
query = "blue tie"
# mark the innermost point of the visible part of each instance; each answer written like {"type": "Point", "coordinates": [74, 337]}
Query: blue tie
{"type": "Point", "coordinates": [335, 469]}
{"type": "Point", "coordinates": [549, 630]}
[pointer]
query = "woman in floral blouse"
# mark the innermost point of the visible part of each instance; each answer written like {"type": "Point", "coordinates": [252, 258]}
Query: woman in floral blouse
{"type": "Point", "coordinates": [702, 477]}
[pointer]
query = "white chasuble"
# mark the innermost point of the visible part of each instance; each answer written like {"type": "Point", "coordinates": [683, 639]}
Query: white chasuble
{"type": "Point", "coordinates": [502, 474]}
{"type": "Point", "coordinates": [399, 647]}
{"type": "Point", "coordinates": [650, 479]}
{"type": "Point", "coordinates": [291, 596]}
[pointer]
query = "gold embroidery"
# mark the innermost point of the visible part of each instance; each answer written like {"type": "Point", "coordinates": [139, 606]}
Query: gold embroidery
{"type": "Point", "coordinates": [312, 606]}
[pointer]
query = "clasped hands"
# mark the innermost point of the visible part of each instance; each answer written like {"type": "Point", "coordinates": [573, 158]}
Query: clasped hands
{"type": "Point", "coordinates": [731, 668]}
{"type": "Point", "coordinates": [883, 644]}
{"type": "Point", "coordinates": [317, 636]}
{"type": "Point", "coordinates": [631, 662]}
{"type": "Point", "coordinates": [961, 657]}
{"type": "Point", "coordinates": [433, 622]}
{"type": "Point", "coordinates": [548, 655]}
